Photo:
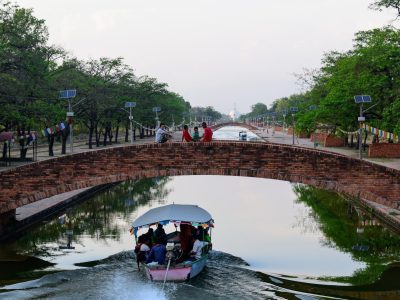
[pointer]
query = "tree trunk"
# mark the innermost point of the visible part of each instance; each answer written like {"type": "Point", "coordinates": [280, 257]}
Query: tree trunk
{"type": "Point", "coordinates": [97, 135]}
{"type": "Point", "coordinates": [110, 136]}
{"type": "Point", "coordinates": [105, 136]}
{"type": "Point", "coordinates": [142, 133]}
{"type": "Point", "coordinates": [5, 148]}
{"type": "Point", "coordinates": [365, 140]}
{"type": "Point", "coordinates": [352, 141]}
{"type": "Point", "coordinates": [91, 129]}
{"type": "Point", "coordinates": [134, 133]}
{"type": "Point", "coordinates": [126, 134]}
{"type": "Point", "coordinates": [116, 133]}
{"type": "Point", "coordinates": [51, 144]}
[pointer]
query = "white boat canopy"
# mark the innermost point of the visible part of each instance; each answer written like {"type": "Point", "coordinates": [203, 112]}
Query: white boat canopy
{"type": "Point", "coordinates": [173, 213]}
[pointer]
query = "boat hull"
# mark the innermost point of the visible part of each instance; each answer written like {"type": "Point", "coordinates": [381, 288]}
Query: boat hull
{"type": "Point", "coordinates": [176, 273]}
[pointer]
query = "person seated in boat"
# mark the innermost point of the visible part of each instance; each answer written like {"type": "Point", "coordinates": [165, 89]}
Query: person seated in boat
{"type": "Point", "coordinates": [199, 232]}
{"type": "Point", "coordinates": [151, 236]}
{"type": "Point", "coordinates": [195, 254]}
{"type": "Point", "coordinates": [157, 253]}
{"type": "Point", "coordinates": [207, 240]}
{"type": "Point", "coordinates": [185, 234]}
{"type": "Point", "coordinates": [160, 234]}
{"type": "Point", "coordinates": [207, 237]}
{"type": "Point", "coordinates": [142, 249]}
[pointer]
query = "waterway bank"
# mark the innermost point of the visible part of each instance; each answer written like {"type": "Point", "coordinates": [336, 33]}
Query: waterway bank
{"type": "Point", "coordinates": [32, 214]}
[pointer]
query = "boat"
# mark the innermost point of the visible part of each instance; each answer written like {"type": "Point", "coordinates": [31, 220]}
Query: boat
{"type": "Point", "coordinates": [243, 136]}
{"type": "Point", "coordinates": [177, 267]}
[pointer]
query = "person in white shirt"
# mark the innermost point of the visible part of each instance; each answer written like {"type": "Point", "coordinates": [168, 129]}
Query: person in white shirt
{"type": "Point", "coordinates": [197, 247]}
{"type": "Point", "coordinates": [162, 134]}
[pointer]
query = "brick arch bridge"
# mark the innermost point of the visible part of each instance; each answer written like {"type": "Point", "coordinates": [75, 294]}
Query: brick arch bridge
{"type": "Point", "coordinates": [244, 125]}
{"type": "Point", "coordinates": [352, 177]}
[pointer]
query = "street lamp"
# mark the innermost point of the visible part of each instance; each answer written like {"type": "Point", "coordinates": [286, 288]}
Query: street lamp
{"type": "Point", "coordinates": [284, 113]}
{"type": "Point", "coordinates": [69, 94]}
{"type": "Point", "coordinates": [157, 110]}
{"type": "Point", "coordinates": [361, 119]}
{"type": "Point", "coordinates": [293, 110]}
{"type": "Point", "coordinates": [130, 105]}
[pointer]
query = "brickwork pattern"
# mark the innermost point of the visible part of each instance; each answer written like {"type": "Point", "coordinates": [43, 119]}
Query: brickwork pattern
{"type": "Point", "coordinates": [384, 150]}
{"type": "Point", "coordinates": [318, 168]}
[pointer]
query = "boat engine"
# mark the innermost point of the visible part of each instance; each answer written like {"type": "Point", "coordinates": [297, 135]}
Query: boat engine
{"type": "Point", "coordinates": [174, 251]}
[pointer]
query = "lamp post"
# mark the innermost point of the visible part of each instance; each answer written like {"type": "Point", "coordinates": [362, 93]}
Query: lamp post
{"type": "Point", "coordinates": [130, 105]}
{"type": "Point", "coordinates": [293, 110]}
{"type": "Point", "coordinates": [157, 110]}
{"type": "Point", "coordinates": [361, 119]}
{"type": "Point", "coordinates": [284, 113]}
{"type": "Point", "coordinates": [69, 94]}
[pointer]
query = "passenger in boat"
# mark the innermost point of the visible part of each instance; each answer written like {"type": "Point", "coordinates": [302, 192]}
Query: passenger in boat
{"type": "Point", "coordinates": [200, 232]}
{"type": "Point", "coordinates": [186, 135]}
{"type": "Point", "coordinates": [142, 249]}
{"type": "Point", "coordinates": [207, 237]}
{"type": "Point", "coordinates": [150, 236]}
{"type": "Point", "coordinates": [185, 235]}
{"type": "Point", "coordinates": [157, 253]}
{"type": "Point", "coordinates": [160, 234]}
{"type": "Point", "coordinates": [197, 248]}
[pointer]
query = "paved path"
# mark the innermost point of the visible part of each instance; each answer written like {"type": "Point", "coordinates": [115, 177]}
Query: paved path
{"type": "Point", "coordinates": [283, 138]}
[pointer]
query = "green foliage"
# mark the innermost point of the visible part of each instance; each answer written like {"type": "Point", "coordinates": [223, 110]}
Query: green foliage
{"type": "Point", "coordinates": [257, 110]}
{"type": "Point", "coordinates": [380, 4]}
{"type": "Point", "coordinates": [205, 113]}
{"type": "Point", "coordinates": [32, 73]}
{"type": "Point", "coordinates": [370, 68]}
{"type": "Point", "coordinates": [330, 212]}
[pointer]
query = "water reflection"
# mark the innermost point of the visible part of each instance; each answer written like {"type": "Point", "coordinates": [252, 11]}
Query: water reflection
{"type": "Point", "coordinates": [289, 233]}
{"type": "Point", "coordinates": [350, 229]}
{"type": "Point", "coordinates": [235, 133]}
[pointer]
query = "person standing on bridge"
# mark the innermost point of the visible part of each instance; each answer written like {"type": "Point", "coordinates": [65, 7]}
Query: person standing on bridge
{"type": "Point", "coordinates": [207, 136]}
{"type": "Point", "coordinates": [186, 135]}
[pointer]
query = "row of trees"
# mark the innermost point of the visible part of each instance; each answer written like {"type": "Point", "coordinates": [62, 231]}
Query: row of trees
{"type": "Point", "coordinates": [32, 73]}
{"type": "Point", "coordinates": [372, 67]}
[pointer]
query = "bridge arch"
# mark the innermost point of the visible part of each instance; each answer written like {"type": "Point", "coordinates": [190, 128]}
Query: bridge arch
{"type": "Point", "coordinates": [349, 176]}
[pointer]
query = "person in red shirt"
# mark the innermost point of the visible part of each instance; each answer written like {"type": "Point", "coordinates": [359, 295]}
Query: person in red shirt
{"type": "Point", "coordinates": [207, 136]}
{"type": "Point", "coordinates": [186, 135]}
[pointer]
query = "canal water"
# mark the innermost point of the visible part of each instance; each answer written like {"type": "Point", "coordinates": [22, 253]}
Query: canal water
{"type": "Point", "coordinates": [272, 240]}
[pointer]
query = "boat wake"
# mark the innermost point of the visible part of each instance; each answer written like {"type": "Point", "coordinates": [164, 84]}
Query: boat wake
{"type": "Point", "coordinates": [117, 277]}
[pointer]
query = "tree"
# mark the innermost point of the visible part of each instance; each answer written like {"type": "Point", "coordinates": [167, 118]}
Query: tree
{"type": "Point", "coordinates": [380, 4]}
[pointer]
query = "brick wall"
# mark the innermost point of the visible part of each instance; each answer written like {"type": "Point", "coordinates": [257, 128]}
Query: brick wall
{"type": "Point", "coordinates": [333, 141]}
{"type": "Point", "coordinates": [327, 140]}
{"type": "Point", "coordinates": [278, 128]}
{"type": "Point", "coordinates": [301, 135]}
{"type": "Point", "coordinates": [384, 150]}
{"type": "Point", "coordinates": [319, 137]}
{"type": "Point", "coordinates": [322, 169]}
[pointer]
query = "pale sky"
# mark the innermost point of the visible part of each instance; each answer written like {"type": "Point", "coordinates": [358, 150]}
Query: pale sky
{"type": "Point", "coordinates": [212, 52]}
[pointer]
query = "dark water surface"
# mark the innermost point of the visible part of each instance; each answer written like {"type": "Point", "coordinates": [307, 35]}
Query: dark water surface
{"type": "Point", "coordinates": [272, 240]}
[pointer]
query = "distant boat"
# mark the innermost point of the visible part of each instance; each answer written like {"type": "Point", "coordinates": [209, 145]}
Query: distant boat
{"type": "Point", "coordinates": [243, 135]}
{"type": "Point", "coordinates": [176, 268]}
